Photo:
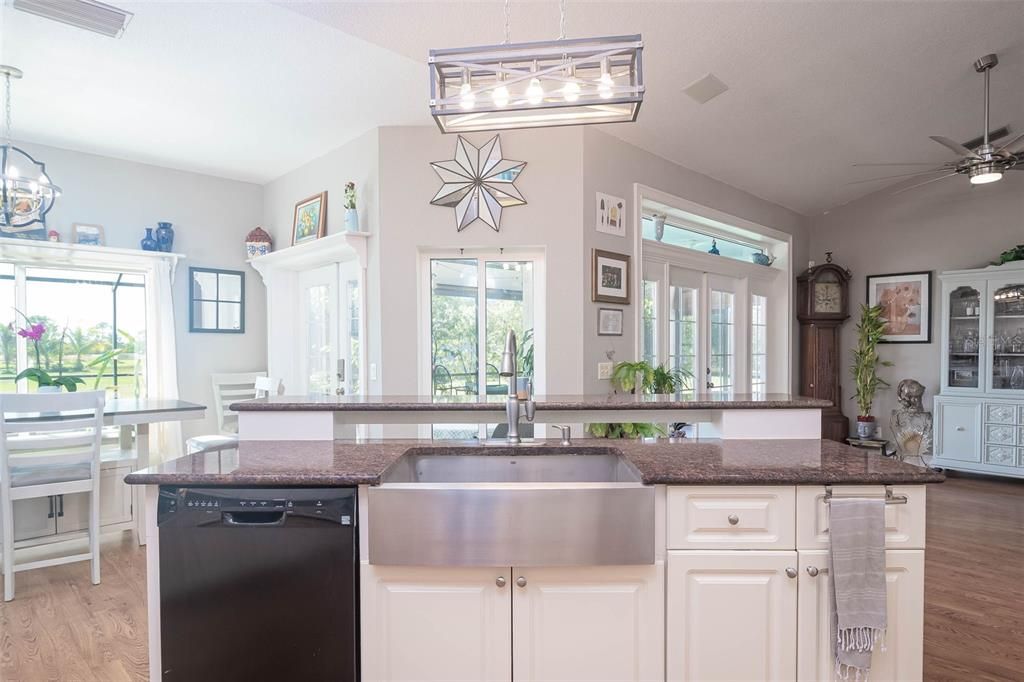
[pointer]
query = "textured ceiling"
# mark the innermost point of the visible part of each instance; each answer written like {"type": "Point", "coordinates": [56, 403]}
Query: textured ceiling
{"type": "Point", "coordinates": [249, 90]}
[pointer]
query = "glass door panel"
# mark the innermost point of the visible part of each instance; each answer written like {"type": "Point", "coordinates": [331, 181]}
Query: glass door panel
{"type": "Point", "coordinates": [964, 338]}
{"type": "Point", "coordinates": [1008, 338]}
{"type": "Point", "coordinates": [349, 346]}
{"type": "Point", "coordinates": [454, 336]}
{"type": "Point", "coordinates": [649, 323]}
{"type": "Point", "coordinates": [683, 334]}
{"type": "Point", "coordinates": [319, 291]}
{"type": "Point", "coordinates": [722, 313]}
{"type": "Point", "coordinates": [758, 345]}
{"type": "Point", "coordinates": [508, 305]}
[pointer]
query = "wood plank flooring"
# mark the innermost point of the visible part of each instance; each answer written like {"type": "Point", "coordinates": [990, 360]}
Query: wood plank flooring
{"type": "Point", "coordinates": [60, 627]}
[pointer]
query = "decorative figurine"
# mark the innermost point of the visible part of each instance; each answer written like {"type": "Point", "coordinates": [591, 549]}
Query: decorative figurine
{"type": "Point", "coordinates": [148, 242]}
{"type": "Point", "coordinates": [714, 248]}
{"type": "Point", "coordinates": [164, 236]}
{"type": "Point", "coordinates": [258, 243]}
{"type": "Point", "coordinates": [53, 236]}
{"type": "Point", "coordinates": [911, 424]}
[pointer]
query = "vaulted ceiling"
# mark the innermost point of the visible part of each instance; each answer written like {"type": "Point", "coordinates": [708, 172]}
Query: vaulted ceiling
{"type": "Point", "coordinates": [251, 90]}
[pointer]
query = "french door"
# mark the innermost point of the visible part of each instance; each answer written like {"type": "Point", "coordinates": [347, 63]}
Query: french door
{"type": "Point", "coordinates": [329, 330]}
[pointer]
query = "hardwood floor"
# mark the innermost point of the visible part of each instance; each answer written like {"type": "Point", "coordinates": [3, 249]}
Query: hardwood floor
{"type": "Point", "coordinates": [60, 627]}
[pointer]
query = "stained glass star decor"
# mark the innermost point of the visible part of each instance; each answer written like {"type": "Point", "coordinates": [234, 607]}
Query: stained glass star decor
{"type": "Point", "coordinates": [478, 183]}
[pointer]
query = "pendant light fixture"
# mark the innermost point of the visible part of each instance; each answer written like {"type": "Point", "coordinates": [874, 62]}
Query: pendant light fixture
{"type": "Point", "coordinates": [537, 85]}
{"type": "Point", "coordinates": [26, 191]}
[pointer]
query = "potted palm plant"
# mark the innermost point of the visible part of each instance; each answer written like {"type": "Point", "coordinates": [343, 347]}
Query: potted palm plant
{"type": "Point", "coordinates": [866, 362]}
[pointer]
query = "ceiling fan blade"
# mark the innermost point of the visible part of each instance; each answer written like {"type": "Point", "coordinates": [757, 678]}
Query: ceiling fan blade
{"type": "Point", "coordinates": [955, 146]}
{"type": "Point", "coordinates": [901, 175]}
{"type": "Point", "coordinates": [895, 163]}
{"type": "Point", "coordinates": [1009, 144]}
{"type": "Point", "coordinates": [941, 177]}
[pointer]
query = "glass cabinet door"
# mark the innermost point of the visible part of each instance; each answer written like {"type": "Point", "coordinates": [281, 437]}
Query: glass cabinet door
{"type": "Point", "coordinates": [1007, 338]}
{"type": "Point", "coordinates": [964, 361]}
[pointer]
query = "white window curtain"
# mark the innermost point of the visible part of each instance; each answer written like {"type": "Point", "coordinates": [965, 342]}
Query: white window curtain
{"type": "Point", "coordinates": [165, 440]}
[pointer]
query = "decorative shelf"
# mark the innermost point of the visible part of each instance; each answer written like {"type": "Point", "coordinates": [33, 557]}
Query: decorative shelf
{"type": "Point", "coordinates": [965, 317]}
{"type": "Point", "coordinates": [334, 248]}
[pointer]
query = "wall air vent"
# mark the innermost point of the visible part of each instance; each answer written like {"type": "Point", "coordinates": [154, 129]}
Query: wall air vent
{"type": "Point", "coordinates": [88, 14]}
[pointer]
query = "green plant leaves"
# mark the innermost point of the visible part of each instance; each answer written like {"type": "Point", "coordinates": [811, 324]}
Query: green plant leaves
{"type": "Point", "coordinates": [866, 360]}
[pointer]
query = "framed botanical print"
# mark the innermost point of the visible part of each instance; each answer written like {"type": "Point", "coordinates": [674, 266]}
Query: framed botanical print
{"type": "Point", "coordinates": [906, 305]}
{"type": "Point", "coordinates": [610, 277]}
{"type": "Point", "coordinates": [609, 321]}
{"type": "Point", "coordinates": [310, 219]}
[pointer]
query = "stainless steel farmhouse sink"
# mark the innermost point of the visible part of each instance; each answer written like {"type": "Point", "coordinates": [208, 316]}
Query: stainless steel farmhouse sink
{"type": "Point", "coordinates": [468, 509]}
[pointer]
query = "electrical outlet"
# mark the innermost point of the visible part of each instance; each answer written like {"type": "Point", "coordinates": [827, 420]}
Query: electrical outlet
{"type": "Point", "coordinates": [604, 370]}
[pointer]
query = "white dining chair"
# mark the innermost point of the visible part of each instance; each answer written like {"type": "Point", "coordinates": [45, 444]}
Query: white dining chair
{"type": "Point", "coordinates": [228, 389]}
{"type": "Point", "coordinates": [43, 455]}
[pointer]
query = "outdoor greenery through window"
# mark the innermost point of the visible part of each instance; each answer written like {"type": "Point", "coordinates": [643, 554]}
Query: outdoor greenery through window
{"type": "Point", "coordinates": [474, 302]}
{"type": "Point", "coordinates": [99, 315]}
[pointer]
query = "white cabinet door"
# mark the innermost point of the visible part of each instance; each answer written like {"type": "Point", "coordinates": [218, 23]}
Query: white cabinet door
{"type": "Point", "coordinates": [34, 518]}
{"type": "Point", "coordinates": [589, 623]}
{"type": "Point", "coordinates": [115, 503]}
{"type": "Point", "coordinates": [959, 430]}
{"type": "Point", "coordinates": [432, 624]}
{"type": "Point", "coordinates": [731, 616]}
{"type": "Point", "coordinates": [903, 656]}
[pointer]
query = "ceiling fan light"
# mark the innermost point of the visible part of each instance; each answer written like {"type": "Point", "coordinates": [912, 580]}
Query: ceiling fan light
{"type": "Point", "coordinates": [986, 173]}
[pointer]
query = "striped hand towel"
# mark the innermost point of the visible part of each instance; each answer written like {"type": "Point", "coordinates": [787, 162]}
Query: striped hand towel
{"type": "Point", "coordinates": [857, 577]}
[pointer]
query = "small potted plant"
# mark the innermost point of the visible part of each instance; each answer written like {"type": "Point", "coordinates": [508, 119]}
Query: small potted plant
{"type": "Point", "coordinates": [45, 382]}
{"type": "Point", "coordinates": [866, 362]}
{"type": "Point", "coordinates": [351, 215]}
{"type": "Point", "coordinates": [640, 377]}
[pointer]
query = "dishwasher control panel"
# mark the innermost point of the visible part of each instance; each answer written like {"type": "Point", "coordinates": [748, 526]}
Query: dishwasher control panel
{"type": "Point", "coordinates": [336, 504]}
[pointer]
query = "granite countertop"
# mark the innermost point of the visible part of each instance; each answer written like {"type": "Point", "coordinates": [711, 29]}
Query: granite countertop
{"type": "Point", "coordinates": [736, 401]}
{"type": "Point", "coordinates": [710, 462]}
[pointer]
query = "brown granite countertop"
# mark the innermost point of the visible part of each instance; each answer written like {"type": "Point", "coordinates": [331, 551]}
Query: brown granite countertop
{"type": "Point", "coordinates": [737, 401]}
{"type": "Point", "coordinates": [710, 462]}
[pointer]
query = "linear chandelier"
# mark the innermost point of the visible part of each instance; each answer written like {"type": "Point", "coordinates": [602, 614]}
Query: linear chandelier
{"type": "Point", "coordinates": [537, 85]}
{"type": "Point", "coordinates": [26, 191]}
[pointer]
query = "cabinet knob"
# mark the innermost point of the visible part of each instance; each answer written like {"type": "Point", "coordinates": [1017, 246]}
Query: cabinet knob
{"type": "Point", "coordinates": [521, 581]}
{"type": "Point", "coordinates": [733, 519]}
{"type": "Point", "coordinates": [812, 385]}
{"type": "Point", "coordinates": [500, 581]}
{"type": "Point", "coordinates": [790, 572]}
{"type": "Point", "coordinates": [812, 571]}
{"type": "Point", "coordinates": [961, 428]}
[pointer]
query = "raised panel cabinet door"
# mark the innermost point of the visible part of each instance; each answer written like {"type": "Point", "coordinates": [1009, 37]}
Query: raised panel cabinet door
{"type": "Point", "coordinates": [731, 616]}
{"type": "Point", "coordinates": [115, 503]}
{"type": "Point", "coordinates": [960, 431]}
{"type": "Point", "coordinates": [427, 624]}
{"type": "Point", "coordinates": [32, 518]}
{"type": "Point", "coordinates": [903, 655]}
{"type": "Point", "coordinates": [588, 623]}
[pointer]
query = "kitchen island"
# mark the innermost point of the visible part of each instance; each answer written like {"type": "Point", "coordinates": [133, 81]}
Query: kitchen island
{"type": "Point", "coordinates": [726, 578]}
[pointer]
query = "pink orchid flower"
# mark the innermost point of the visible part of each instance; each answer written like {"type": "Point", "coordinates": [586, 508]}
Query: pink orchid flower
{"type": "Point", "coordinates": [33, 332]}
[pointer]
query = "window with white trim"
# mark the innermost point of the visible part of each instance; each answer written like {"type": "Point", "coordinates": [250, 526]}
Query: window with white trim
{"type": "Point", "coordinates": [758, 345]}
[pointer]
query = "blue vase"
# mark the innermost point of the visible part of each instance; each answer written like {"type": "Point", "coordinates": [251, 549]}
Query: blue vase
{"type": "Point", "coordinates": [164, 236]}
{"type": "Point", "coordinates": [714, 248]}
{"type": "Point", "coordinates": [148, 243]}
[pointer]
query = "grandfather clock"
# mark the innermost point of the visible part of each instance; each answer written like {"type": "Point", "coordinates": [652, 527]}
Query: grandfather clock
{"type": "Point", "coordinates": [822, 307]}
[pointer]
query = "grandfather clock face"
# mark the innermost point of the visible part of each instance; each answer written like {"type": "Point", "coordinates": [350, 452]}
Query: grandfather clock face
{"type": "Point", "coordinates": [828, 295]}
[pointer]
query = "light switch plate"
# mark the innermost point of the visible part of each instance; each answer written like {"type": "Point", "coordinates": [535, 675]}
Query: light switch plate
{"type": "Point", "coordinates": [373, 371]}
{"type": "Point", "coordinates": [604, 370]}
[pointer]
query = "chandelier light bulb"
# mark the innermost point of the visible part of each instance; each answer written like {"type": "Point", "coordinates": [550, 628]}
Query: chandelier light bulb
{"type": "Point", "coordinates": [12, 171]}
{"type": "Point", "coordinates": [605, 83]}
{"type": "Point", "coordinates": [467, 99]}
{"type": "Point", "coordinates": [500, 96]}
{"type": "Point", "coordinates": [571, 91]}
{"type": "Point", "coordinates": [534, 93]}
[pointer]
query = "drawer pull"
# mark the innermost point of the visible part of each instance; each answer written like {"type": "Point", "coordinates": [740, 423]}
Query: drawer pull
{"type": "Point", "coordinates": [733, 519]}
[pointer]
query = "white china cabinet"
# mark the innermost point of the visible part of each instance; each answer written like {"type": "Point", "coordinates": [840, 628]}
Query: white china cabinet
{"type": "Point", "coordinates": [979, 414]}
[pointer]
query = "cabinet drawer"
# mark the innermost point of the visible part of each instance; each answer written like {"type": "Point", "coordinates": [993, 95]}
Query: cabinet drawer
{"type": "Point", "coordinates": [960, 431]}
{"type": "Point", "coordinates": [904, 523]}
{"type": "Point", "coordinates": [1004, 455]}
{"type": "Point", "coordinates": [1000, 434]}
{"type": "Point", "coordinates": [1000, 413]}
{"type": "Point", "coordinates": [735, 517]}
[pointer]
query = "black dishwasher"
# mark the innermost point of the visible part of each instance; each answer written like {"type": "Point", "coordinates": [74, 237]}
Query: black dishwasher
{"type": "Point", "coordinates": [259, 584]}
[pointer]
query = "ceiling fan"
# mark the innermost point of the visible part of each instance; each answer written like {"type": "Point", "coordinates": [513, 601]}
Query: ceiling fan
{"type": "Point", "coordinates": [983, 164]}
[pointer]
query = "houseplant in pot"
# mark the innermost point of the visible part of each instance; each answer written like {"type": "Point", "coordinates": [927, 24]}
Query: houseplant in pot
{"type": "Point", "coordinates": [641, 377]}
{"type": "Point", "coordinates": [45, 382]}
{"type": "Point", "coordinates": [865, 367]}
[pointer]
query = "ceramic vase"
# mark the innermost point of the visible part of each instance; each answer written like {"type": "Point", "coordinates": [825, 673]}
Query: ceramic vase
{"type": "Point", "coordinates": [865, 429]}
{"type": "Point", "coordinates": [49, 389]}
{"type": "Point", "coordinates": [164, 236]}
{"type": "Point", "coordinates": [148, 243]}
{"type": "Point", "coordinates": [351, 220]}
{"type": "Point", "coordinates": [659, 227]}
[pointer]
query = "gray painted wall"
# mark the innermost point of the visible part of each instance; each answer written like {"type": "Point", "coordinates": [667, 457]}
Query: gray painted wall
{"type": "Point", "coordinates": [946, 225]}
{"type": "Point", "coordinates": [211, 217]}
{"type": "Point", "coordinates": [613, 166]}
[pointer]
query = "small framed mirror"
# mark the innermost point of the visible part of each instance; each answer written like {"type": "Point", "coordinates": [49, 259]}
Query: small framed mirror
{"type": "Point", "coordinates": [216, 301]}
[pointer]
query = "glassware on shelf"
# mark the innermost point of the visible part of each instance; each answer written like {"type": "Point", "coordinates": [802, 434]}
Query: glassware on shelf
{"type": "Point", "coordinates": [1017, 378]}
{"type": "Point", "coordinates": [1017, 344]}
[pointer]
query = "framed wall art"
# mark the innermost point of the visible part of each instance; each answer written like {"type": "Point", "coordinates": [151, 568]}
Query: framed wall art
{"type": "Point", "coordinates": [906, 304]}
{"type": "Point", "coordinates": [310, 221]}
{"type": "Point", "coordinates": [609, 321]}
{"type": "Point", "coordinates": [610, 277]}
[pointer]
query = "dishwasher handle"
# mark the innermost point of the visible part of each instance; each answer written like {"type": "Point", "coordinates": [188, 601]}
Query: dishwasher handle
{"type": "Point", "coordinates": [253, 519]}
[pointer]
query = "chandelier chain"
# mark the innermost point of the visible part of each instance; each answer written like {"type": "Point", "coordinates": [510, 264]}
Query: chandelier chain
{"type": "Point", "coordinates": [508, 16]}
{"type": "Point", "coordinates": [561, 19]}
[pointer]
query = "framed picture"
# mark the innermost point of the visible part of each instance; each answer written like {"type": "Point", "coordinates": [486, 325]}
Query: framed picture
{"type": "Point", "coordinates": [906, 305]}
{"type": "Point", "coordinates": [611, 214]}
{"type": "Point", "coordinates": [609, 321]}
{"type": "Point", "coordinates": [90, 235]}
{"type": "Point", "coordinates": [310, 221]}
{"type": "Point", "coordinates": [610, 277]}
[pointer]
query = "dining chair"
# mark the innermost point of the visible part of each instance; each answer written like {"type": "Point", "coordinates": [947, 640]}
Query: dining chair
{"type": "Point", "coordinates": [228, 389]}
{"type": "Point", "coordinates": [42, 455]}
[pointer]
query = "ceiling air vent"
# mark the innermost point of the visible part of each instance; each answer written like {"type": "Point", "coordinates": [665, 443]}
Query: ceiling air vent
{"type": "Point", "coordinates": [88, 14]}
{"type": "Point", "coordinates": [705, 89]}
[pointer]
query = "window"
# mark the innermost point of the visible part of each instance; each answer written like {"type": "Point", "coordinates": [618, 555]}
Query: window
{"type": "Point", "coordinates": [683, 334]}
{"type": "Point", "coordinates": [95, 312]}
{"type": "Point", "coordinates": [354, 323]}
{"type": "Point", "coordinates": [217, 301]}
{"type": "Point", "coordinates": [758, 345]}
{"type": "Point", "coordinates": [474, 302]}
{"type": "Point", "coordinates": [679, 233]}
{"type": "Point", "coordinates": [649, 342]}
{"type": "Point", "coordinates": [720, 371]}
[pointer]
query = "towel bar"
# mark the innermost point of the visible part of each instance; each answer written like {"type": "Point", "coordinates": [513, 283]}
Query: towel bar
{"type": "Point", "coordinates": [890, 497]}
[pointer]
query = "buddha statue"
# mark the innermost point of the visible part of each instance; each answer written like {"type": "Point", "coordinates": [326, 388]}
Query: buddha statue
{"type": "Point", "coordinates": [911, 424]}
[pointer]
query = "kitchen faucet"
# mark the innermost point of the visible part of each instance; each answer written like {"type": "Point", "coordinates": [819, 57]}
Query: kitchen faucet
{"type": "Point", "coordinates": [510, 371]}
